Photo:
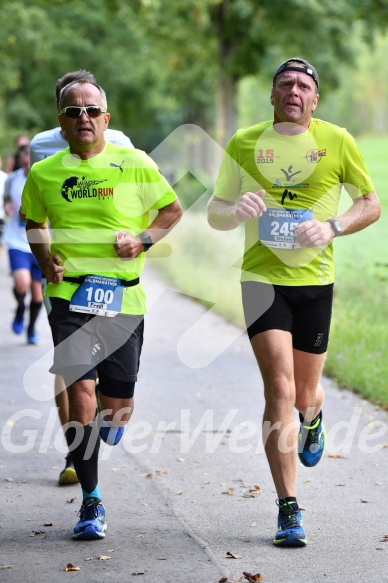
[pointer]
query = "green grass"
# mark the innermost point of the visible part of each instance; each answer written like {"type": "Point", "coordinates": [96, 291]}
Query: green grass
{"type": "Point", "coordinates": [359, 336]}
{"type": "Point", "coordinates": [201, 267]}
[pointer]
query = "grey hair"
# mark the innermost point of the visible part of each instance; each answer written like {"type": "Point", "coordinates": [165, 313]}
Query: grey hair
{"type": "Point", "coordinates": [65, 90]}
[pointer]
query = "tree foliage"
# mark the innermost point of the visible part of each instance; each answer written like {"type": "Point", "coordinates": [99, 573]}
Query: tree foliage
{"type": "Point", "coordinates": [167, 63]}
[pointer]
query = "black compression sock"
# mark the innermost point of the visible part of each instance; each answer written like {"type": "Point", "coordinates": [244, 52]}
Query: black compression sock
{"type": "Point", "coordinates": [34, 313]}
{"type": "Point", "coordinates": [85, 454]}
{"type": "Point", "coordinates": [20, 301]}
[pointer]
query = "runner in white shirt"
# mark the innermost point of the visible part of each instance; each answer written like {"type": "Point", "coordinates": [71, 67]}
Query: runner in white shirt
{"type": "Point", "coordinates": [51, 141]}
{"type": "Point", "coordinates": [25, 270]}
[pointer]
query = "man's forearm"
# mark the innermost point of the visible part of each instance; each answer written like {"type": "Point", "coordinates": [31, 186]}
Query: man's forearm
{"type": "Point", "coordinates": [164, 221]}
{"type": "Point", "coordinates": [221, 215]}
{"type": "Point", "coordinates": [363, 212]}
{"type": "Point", "coordinates": [39, 239]}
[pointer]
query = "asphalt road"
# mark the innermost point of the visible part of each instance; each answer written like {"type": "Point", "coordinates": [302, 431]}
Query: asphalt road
{"type": "Point", "coordinates": [189, 483]}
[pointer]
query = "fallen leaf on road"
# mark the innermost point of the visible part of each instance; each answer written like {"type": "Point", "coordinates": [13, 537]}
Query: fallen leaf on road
{"type": "Point", "coordinates": [6, 566]}
{"type": "Point", "coordinates": [223, 580]}
{"type": "Point", "coordinates": [160, 472]}
{"type": "Point", "coordinates": [88, 558]}
{"type": "Point", "coordinates": [364, 501]}
{"type": "Point", "coordinates": [36, 532]}
{"type": "Point", "coordinates": [47, 524]}
{"type": "Point", "coordinates": [252, 578]}
{"type": "Point", "coordinates": [254, 524]}
{"type": "Point", "coordinates": [384, 538]}
{"type": "Point", "coordinates": [179, 493]}
{"type": "Point", "coordinates": [142, 572]}
{"type": "Point", "coordinates": [205, 483]}
{"type": "Point", "coordinates": [233, 556]}
{"type": "Point", "coordinates": [70, 567]}
{"type": "Point", "coordinates": [150, 475]}
{"type": "Point", "coordinates": [104, 557]}
{"type": "Point", "coordinates": [335, 456]}
{"type": "Point", "coordinates": [229, 491]}
{"type": "Point", "coordinates": [71, 500]}
{"type": "Point", "coordinates": [8, 479]}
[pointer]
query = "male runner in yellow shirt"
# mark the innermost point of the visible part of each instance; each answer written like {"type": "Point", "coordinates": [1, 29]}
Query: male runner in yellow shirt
{"type": "Point", "coordinates": [283, 179]}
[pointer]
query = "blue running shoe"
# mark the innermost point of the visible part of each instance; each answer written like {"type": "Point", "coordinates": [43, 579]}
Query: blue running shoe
{"type": "Point", "coordinates": [111, 435]}
{"type": "Point", "coordinates": [108, 433]}
{"type": "Point", "coordinates": [33, 338]}
{"type": "Point", "coordinates": [18, 324]}
{"type": "Point", "coordinates": [290, 525]}
{"type": "Point", "coordinates": [91, 525]}
{"type": "Point", "coordinates": [312, 442]}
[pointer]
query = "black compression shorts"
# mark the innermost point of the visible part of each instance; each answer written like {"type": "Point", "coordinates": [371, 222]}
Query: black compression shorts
{"type": "Point", "coordinates": [85, 344]}
{"type": "Point", "coordinates": [304, 311]}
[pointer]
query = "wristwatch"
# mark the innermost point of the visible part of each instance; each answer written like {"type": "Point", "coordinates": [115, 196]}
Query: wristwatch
{"type": "Point", "coordinates": [146, 240]}
{"type": "Point", "coordinates": [336, 225]}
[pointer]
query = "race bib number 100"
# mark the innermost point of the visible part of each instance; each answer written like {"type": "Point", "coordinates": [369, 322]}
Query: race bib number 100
{"type": "Point", "coordinates": [277, 227]}
{"type": "Point", "coordinates": [98, 295]}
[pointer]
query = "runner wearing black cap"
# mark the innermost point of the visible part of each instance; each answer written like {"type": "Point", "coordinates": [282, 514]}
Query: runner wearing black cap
{"type": "Point", "coordinates": [283, 179]}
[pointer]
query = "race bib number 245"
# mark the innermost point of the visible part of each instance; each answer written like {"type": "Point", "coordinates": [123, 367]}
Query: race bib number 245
{"type": "Point", "coordinates": [277, 227]}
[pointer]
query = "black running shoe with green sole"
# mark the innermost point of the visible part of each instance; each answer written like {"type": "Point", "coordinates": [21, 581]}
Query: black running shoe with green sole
{"type": "Point", "coordinates": [68, 475]}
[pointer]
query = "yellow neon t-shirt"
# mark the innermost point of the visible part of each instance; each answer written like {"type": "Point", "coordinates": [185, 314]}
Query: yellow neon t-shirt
{"type": "Point", "coordinates": [86, 203]}
{"type": "Point", "coordinates": [303, 176]}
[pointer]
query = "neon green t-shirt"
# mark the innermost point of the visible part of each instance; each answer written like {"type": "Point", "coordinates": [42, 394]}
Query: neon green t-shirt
{"type": "Point", "coordinates": [86, 203]}
{"type": "Point", "coordinates": [303, 176]}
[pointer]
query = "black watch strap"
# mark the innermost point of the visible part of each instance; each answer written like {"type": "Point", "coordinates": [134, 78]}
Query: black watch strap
{"type": "Point", "coordinates": [146, 240]}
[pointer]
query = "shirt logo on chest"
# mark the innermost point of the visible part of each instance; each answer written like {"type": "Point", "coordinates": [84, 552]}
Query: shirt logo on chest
{"type": "Point", "coordinates": [75, 188]}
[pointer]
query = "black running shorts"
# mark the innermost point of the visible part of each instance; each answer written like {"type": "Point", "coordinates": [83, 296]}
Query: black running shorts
{"type": "Point", "coordinates": [85, 344]}
{"type": "Point", "coordinates": [304, 311]}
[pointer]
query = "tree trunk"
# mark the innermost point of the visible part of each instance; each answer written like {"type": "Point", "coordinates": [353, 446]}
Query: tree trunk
{"type": "Point", "coordinates": [226, 110]}
{"type": "Point", "coordinates": [226, 116]}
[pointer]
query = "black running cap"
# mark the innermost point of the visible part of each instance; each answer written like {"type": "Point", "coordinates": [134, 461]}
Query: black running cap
{"type": "Point", "coordinates": [293, 65]}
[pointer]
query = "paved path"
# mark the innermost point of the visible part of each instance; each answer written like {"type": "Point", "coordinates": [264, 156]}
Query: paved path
{"type": "Point", "coordinates": [189, 482]}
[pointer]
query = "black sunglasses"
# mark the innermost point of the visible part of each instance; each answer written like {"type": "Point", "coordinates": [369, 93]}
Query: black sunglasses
{"type": "Point", "coordinates": [74, 111]}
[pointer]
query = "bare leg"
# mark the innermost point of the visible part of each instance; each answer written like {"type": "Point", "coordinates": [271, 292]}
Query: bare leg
{"type": "Point", "coordinates": [273, 351]}
{"type": "Point", "coordinates": [291, 379]}
{"type": "Point", "coordinates": [61, 399]}
{"type": "Point", "coordinates": [309, 392]}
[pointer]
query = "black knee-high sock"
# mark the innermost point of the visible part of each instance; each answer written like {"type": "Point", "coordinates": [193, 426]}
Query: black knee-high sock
{"type": "Point", "coordinates": [20, 300]}
{"type": "Point", "coordinates": [34, 313]}
{"type": "Point", "coordinates": [85, 455]}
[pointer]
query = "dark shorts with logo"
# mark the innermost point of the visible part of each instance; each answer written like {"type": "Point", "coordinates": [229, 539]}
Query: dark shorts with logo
{"type": "Point", "coordinates": [304, 311]}
{"type": "Point", "coordinates": [85, 343]}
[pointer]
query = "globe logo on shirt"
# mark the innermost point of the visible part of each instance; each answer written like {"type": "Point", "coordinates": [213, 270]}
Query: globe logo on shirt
{"type": "Point", "coordinates": [75, 188]}
{"type": "Point", "coordinates": [68, 186]}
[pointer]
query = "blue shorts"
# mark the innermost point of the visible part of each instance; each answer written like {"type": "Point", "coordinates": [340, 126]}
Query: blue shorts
{"type": "Point", "coordinates": [24, 260]}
